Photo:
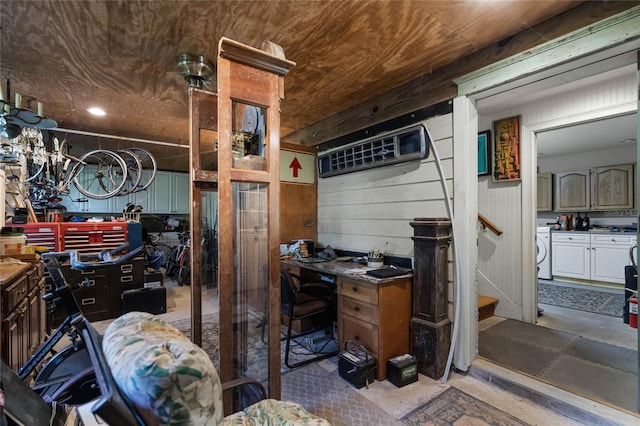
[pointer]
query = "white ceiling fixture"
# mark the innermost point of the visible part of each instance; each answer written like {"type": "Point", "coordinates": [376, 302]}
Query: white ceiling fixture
{"type": "Point", "coordinates": [97, 111]}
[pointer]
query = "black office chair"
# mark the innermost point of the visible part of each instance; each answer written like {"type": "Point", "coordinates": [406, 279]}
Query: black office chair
{"type": "Point", "coordinates": [313, 301]}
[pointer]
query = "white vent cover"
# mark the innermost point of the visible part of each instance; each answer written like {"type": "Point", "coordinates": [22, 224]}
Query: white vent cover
{"type": "Point", "coordinates": [407, 144]}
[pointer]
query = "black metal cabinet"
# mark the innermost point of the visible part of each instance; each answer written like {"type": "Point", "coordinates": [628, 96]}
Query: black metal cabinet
{"type": "Point", "coordinates": [101, 299]}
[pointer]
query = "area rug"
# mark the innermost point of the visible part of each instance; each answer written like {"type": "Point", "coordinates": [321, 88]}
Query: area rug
{"type": "Point", "coordinates": [596, 301]}
{"type": "Point", "coordinates": [453, 407]}
{"type": "Point", "coordinates": [257, 349]}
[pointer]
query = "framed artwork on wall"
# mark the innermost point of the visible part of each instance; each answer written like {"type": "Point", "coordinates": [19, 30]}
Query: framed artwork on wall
{"type": "Point", "coordinates": [484, 153]}
{"type": "Point", "coordinates": [506, 149]}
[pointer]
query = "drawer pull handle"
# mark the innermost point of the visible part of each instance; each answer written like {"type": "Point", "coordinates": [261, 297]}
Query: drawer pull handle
{"type": "Point", "coordinates": [126, 279]}
{"type": "Point", "coordinates": [354, 288]}
{"type": "Point", "coordinates": [22, 291]}
{"type": "Point", "coordinates": [87, 272]}
{"type": "Point", "coordinates": [89, 301]}
{"type": "Point", "coordinates": [126, 269]}
{"type": "Point", "coordinates": [356, 308]}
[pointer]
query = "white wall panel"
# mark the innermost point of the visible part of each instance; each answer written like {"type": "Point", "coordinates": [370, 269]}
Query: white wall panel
{"type": "Point", "coordinates": [359, 210]}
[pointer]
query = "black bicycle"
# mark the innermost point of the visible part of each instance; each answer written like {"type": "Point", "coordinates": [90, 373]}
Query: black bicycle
{"type": "Point", "coordinates": [67, 376]}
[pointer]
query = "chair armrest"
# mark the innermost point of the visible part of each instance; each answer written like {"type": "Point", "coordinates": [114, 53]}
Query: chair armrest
{"type": "Point", "coordinates": [245, 381]}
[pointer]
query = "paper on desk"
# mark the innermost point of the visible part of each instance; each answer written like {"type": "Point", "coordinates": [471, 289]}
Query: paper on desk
{"type": "Point", "coordinates": [357, 271]}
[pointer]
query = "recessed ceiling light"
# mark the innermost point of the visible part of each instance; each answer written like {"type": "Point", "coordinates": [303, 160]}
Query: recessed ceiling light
{"type": "Point", "coordinates": [96, 111]}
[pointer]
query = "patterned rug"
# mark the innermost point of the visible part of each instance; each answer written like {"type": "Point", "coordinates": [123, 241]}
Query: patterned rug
{"type": "Point", "coordinates": [454, 407]}
{"type": "Point", "coordinates": [596, 301]}
{"type": "Point", "coordinates": [257, 348]}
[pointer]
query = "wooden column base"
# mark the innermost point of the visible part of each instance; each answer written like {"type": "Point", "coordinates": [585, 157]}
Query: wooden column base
{"type": "Point", "coordinates": [430, 344]}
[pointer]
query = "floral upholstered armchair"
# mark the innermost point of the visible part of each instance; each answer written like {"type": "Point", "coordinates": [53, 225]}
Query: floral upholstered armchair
{"type": "Point", "coordinates": [168, 380]}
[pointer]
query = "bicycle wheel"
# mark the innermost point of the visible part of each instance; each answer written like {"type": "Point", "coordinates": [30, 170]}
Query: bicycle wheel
{"type": "Point", "coordinates": [134, 171]}
{"type": "Point", "coordinates": [32, 170]}
{"type": "Point", "coordinates": [184, 273]}
{"type": "Point", "coordinates": [171, 265]}
{"type": "Point", "coordinates": [148, 168]}
{"type": "Point", "coordinates": [101, 174]}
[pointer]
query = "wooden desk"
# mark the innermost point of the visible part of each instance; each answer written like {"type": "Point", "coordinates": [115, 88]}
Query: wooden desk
{"type": "Point", "coordinates": [372, 312]}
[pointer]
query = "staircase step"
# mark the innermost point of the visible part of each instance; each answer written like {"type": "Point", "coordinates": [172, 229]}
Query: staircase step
{"type": "Point", "coordinates": [486, 307]}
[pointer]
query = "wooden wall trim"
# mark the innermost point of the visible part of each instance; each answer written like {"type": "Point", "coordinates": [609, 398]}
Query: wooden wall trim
{"type": "Point", "coordinates": [438, 86]}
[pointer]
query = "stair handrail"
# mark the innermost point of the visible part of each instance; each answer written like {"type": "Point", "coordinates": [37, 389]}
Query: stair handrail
{"type": "Point", "coordinates": [486, 223]}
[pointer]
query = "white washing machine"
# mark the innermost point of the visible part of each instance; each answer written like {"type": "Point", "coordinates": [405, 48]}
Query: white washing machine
{"type": "Point", "coordinates": [543, 241]}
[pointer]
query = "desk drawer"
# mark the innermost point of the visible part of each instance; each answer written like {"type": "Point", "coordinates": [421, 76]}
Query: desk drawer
{"type": "Point", "coordinates": [15, 293]}
{"type": "Point", "coordinates": [360, 332]}
{"type": "Point", "coordinates": [360, 291]}
{"type": "Point", "coordinates": [364, 311]}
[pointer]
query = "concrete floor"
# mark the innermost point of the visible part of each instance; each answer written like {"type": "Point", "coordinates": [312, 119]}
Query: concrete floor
{"type": "Point", "coordinates": [397, 402]}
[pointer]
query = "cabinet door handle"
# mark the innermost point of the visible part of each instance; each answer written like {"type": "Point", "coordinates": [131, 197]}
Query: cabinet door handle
{"type": "Point", "coordinates": [354, 288]}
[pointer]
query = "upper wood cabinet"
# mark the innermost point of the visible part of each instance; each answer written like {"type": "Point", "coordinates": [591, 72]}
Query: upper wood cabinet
{"type": "Point", "coordinates": [612, 187]}
{"type": "Point", "coordinates": [572, 191]}
{"type": "Point", "coordinates": [601, 188]}
{"type": "Point", "coordinates": [545, 185]}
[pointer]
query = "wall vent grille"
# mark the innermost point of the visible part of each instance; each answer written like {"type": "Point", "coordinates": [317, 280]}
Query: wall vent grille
{"type": "Point", "coordinates": [402, 145]}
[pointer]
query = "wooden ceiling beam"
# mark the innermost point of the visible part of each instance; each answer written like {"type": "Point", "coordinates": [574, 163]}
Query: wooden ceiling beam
{"type": "Point", "coordinates": [438, 86]}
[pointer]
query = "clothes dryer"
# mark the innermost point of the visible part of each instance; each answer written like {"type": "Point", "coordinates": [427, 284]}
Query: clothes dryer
{"type": "Point", "coordinates": [543, 242]}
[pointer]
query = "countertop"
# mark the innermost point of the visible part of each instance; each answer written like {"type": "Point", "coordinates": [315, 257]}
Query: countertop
{"type": "Point", "coordinates": [595, 231]}
{"type": "Point", "coordinates": [351, 270]}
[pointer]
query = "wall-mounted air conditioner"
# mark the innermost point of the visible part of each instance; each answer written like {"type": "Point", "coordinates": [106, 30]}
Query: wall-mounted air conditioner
{"type": "Point", "coordinates": [407, 144]}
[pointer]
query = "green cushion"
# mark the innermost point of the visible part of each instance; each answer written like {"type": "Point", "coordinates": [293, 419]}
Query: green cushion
{"type": "Point", "coordinates": [169, 379]}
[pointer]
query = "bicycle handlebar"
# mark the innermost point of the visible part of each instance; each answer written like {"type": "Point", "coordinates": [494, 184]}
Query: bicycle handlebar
{"type": "Point", "coordinates": [106, 256]}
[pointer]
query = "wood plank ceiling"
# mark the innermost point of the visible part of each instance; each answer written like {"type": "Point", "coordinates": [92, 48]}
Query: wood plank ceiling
{"type": "Point", "coordinates": [350, 55]}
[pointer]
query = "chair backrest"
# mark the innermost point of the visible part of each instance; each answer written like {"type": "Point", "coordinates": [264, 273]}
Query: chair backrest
{"type": "Point", "coordinates": [287, 290]}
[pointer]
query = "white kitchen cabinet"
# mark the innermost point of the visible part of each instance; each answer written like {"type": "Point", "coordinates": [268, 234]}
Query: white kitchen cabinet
{"type": "Point", "coordinates": [180, 193]}
{"type": "Point", "coordinates": [612, 187]}
{"type": "Point", "coordinates": [571, 255]}
{"type": "Point", "coordinates": [609, 256]}
{"type": "Point", "coordinates": [545, 185]}
{"type": "Point", "coordinates": [591, 257]}
{"type": "Point", "coordinates": [170, 193]}
{"type": "Point", "coordinates": [572, 191]}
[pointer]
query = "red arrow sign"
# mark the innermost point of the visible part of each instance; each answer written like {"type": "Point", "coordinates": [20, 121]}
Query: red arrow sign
{"type": "Point", "coordinates": [295, 165]}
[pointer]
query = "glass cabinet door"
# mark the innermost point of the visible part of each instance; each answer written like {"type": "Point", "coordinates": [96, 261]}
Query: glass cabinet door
{"type": "Point", "coordinates": [247, 140]}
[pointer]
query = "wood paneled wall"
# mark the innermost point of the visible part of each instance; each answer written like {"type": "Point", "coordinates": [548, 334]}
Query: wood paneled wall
{"type": "Point", "coordinates": [298, 205]}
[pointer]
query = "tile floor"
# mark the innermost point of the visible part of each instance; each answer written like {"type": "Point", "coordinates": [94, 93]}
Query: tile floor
{"type": "Point", "coordinates": [320, 388]}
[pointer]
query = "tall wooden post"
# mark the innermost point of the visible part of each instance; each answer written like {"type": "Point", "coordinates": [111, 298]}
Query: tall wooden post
{"type": "Point", "coordinates": [430, 327]}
